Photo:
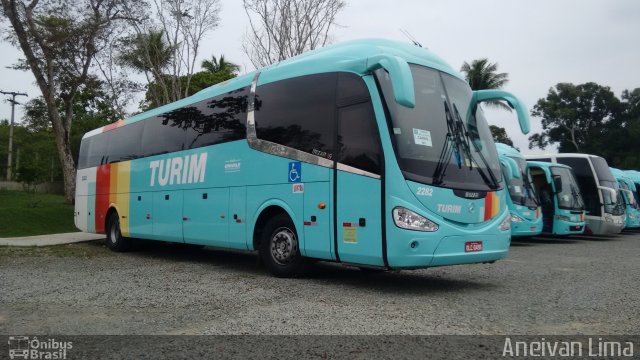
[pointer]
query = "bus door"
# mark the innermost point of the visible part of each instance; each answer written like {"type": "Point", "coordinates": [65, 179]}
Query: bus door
{"type": "Point", "coordinates": [205, 216]}
{"type": "Point", "coordinates": [167, 215]}
{"type": "Point", "coordinates": [318, 216]}
{"type": "Point", "coordinates": [359, 186]}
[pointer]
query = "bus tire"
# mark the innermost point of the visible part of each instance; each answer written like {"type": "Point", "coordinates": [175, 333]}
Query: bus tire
{"type": "Point", "coordinates": [279, 248]}
{"type": "Point", "coordinates": [115, 241]}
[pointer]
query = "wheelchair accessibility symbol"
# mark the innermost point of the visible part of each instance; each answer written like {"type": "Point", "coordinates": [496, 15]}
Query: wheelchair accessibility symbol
{"type": "Point", "coordinates": [295, 172]}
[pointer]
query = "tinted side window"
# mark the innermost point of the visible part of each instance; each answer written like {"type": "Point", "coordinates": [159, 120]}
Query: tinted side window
{"type": "Point", "coordinates": [83, 156]}
{"type": "Point", "coordinates": [298, 113]}
{"type": "Point", "coordinates": [218, 120]}
{"type": "Point", "coordinates": [351, 89]}
{"type": "Point", "coordinates": [587, 183]}
{"type": "Point", "coordinates": [165, 133]}
{"type": "Point", "coordinates": [93, 151]}
{"type": "Point", "coordinates": [358, 139]}
{"type": "Point", "coordinates": [124, 143]}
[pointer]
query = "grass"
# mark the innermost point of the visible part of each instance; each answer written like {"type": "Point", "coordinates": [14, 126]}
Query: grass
{"type": "Point", "coordinates": [24, 214]}
{"type": "Point", "coordinates": [83, 250]}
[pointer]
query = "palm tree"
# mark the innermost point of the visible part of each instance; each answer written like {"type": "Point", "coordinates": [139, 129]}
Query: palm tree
{"type": "Point", "coordinates": [148, 53]}
{"type": "Point", "coordinates": [220, 65]}
{"type": "Point", "coordinates": [483, 75]}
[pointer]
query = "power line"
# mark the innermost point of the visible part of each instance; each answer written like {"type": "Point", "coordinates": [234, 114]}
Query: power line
{"type": "Point", "coordinates": [13, 108]}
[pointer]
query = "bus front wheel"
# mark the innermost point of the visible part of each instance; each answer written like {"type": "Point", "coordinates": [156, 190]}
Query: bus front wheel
{"type": "Point", "coordinates": [115, 240]}
{"type": "Point", "coordinates": [279, 248]}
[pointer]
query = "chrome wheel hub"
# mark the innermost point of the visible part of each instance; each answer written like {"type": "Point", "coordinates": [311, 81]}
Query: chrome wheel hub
{"type": "Point", "coordinates": [284, 246]}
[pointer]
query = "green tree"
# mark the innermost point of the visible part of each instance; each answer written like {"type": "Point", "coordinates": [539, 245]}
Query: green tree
{"type": "Point", "coordinates": [500, 135]}
{"type": "Point", "coordinates": [150, 54]}
{"type": "Point", "coordinates": [576, 117]}
{"type": "Point", "coordinates": [483, 75]}
{"type": "Point", "coordinates": [60, 41]}
{"type": "Point", "coordinates": [622, 148]}
{"type": "Point", "coordinates": [216, 65]}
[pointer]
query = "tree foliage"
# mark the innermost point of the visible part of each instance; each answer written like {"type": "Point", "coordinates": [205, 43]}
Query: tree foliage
{"type": "Point", "coordinates": [589, 118]}
{"type": "Point", "coordinates": [280, 29]}
{"type": "Point", "coordinates": [483, 75]}
{"type": "Point", "coordinates": [59, 41]}
{"type": "Point", "coordinates": [575, 116]}
{"type": "Point", "coordinates": [220, 65]}
{"type": "Point", "coordinates": [500, 135]}
{"type": "Point", "coordinates": [165, 44]}
{"type": "Point", "coordinates": [214, 71]}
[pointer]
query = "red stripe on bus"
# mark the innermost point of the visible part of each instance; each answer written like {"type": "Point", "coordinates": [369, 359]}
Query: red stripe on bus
{"type": "Point", "coordinates": [103, 182]}
{"type": "Point", "coordinates": [488, 206]}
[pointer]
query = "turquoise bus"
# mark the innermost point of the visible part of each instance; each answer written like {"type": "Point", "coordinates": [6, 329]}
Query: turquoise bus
{"type": "Point", "coordinates": [373, 153]}
{"type": "Point", "coordinates": [604, 212]}
{"type": "Point", "coordinates": [634, 176]}
{"type": "Point", "coordinates": [526, 217]}
{"type": "Point", "coordinates": [560, 198]}
{"type": "Point", "coordinates": [629, 198]}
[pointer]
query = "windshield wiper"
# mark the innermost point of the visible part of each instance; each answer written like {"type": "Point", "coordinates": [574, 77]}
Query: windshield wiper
{"type": "Point", "coordinates": [529, 188]}
{"type": "Point", "coordinates": [576, 199]}
{"type": "Point", "coordinates": [451, 146]}
{"type": "Point", "coordinates": [493, 181]}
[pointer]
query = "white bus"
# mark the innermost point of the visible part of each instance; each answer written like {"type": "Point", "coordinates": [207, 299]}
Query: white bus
{"type": "Point", "coordinates": [604, 211]}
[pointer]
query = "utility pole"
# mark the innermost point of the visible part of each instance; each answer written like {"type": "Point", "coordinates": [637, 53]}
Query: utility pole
{"type": "Point", "coordinates": [13, 112]}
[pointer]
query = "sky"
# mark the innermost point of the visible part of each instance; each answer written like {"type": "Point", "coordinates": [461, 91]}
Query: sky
{"type": "Point", "coordinates": [539, 43]}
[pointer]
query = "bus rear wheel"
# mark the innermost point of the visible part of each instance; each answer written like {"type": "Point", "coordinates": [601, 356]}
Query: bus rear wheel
{"type": "Point", "coordinates": [279, 248]}
{"type": "Point", "coordinates": [115, 240]}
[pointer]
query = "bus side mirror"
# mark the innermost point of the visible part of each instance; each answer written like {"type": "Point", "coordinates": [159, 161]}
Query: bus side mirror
{"type": "Point", "coordinates": [511, 166]}
{"type": "Point", "coordinates": [632, 199]}
{"type": "Point", "coordinates": [401, 78]}
{"type": "Point", "coordinates": [493, 95]}
{"type": "Point", "coordinates": [557, 183]}
{"type": "Point", "coordinates": [612, 192]}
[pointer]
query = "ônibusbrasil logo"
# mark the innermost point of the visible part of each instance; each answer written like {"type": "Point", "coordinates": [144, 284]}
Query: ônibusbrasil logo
{"type": "Point", "coordinates": [25, 347]}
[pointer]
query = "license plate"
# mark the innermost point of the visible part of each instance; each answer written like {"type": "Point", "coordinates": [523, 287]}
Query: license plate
{"type": "Point", "coordinates": [473, 246]}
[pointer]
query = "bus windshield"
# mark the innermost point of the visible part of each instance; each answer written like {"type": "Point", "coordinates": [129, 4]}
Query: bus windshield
{"type": "Point", "coordinates": [569, 197]}
{"type": "Point", "coordinates": [435, 142]}
{"type": "Point", "coordinates": [520, 189]}
{"type": "Point", "coordinates": [628, 200]}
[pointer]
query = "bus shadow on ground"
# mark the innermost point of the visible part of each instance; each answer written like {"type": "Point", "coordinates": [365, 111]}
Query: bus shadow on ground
{"type": "Point", "coordinates": [318, 272]}
{"type": "Point", "coordinates": [596, 238]}
{"type": "Point", "coordinates": [539, 240]}
{"type": "Point", "coordinates": [417, 282]}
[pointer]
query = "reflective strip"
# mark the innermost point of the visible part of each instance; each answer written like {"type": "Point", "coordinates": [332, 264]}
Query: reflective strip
{"type": "Point", "coordinates": [353, 170]}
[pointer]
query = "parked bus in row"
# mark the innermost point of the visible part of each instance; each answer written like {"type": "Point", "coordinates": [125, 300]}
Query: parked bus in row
{"type": "Point", "coordinates": [604, 210]}
{"type": "Point", "coordinates": [526, 216]}
{"type": "Point", "coordinates": [373, 153]}
{"type": "Point", "coordinates": [629, 198]}
{"type": "Point", "coordinates": [634, 176]}
{"type": "Point", "coordinates": [560, 198]}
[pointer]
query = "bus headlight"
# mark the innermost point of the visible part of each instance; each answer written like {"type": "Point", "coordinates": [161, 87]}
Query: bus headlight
{"type": "Point", "coordinates": [563, 218]}
{"type": "Point", "coordinates": [516, 219]}
{"type": "Point", "coordinates": [505, 224]}
{"type": "Point", "coordinates": [407, 219]}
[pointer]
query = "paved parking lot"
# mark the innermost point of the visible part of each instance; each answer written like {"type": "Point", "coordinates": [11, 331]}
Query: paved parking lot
{"type": "Point", "coordinates": [584, 285]}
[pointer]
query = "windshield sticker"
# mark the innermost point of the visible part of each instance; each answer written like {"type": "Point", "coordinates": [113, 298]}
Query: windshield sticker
{"type": "Point", "coordinates": [397, 131]}
{"type": "Point", "coordinates": [422, 137]}
{"type": "Point", "coordinates": [517, 189]}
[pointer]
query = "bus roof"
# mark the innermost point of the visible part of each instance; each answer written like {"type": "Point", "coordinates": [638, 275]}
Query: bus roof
{"type": "Point", "coordinates": [348, 56]}
{"type": "Point", "coordinates": [559, 155]}
{"type": "Point", "coordinates": [546, 165]}
{"type": "Point", "coordinates": [506, 150]}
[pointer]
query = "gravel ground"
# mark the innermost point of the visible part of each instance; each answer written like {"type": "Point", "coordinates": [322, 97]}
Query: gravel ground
{"type": "Point", "coordinates": [584, 285]}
